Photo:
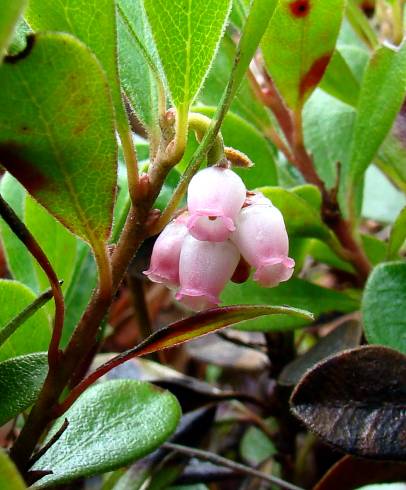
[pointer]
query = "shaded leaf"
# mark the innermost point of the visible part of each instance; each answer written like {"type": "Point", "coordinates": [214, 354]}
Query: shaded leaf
{"type": "Point", "coordinates": [92, 22]}
{"type": "Point", "coordinates": [19, 261]}
{"type": "Point", "coordinates": [384, 306]}
{"type": "Point", "coordinates": [237, 133]}
{"type": "Point", "coordinates": [345, 336]}
{"type": "Point", "coordinates": [355, 401]}
{"type": "Point", "coordinates": [350, 473]}
{"type": "Point", "coordinates": [10, 13]}
{"type": "Point", "coordinates": [186, 34]}
{"type": "Point", "coordinates": [131, 420]}
{"type": "Point", "coordinates": [256, 447]}
{"type": "Point", "coordinates": [299, 44]}
{"type": "Point", "coordinates": [9, 476]}
{"type": "Point", "coordinates": [397, 235]}
{"type": "Point", "coordinates": [297, 292]}
{"type": "Point", "coordinates": [35, 333]}
{"type": "Point", "coordinates": [386, 70]}
{"type": "Point", "coordinates": [61, 144]}
{"type": "Point", "coordinates": [21, 379]}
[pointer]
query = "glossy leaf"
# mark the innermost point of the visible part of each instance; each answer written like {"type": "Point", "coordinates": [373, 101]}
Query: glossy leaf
{"type": "Point", "coordinates": [92, 22]}
{"type": "Point", "coordinates": [136, 54]}
{"type": "Point", "coordinates": [20, 262]}
{"type": "Point", "coordinates": [370, 406]}
{"type": "Point", "coordinates": [397, 235]}
{"type": "Point", "coordinates": [386, 70]}
{"type": "Point", "coordinates": [9, 476]}
{"type": "Point", "coordinates": [61, 144]}
{"type": "Point", "coordinates": [299, 44]}
{"type": "Point", "coordinates": [10, 13]}
{"type": "Point", "coordinates": [34, 334]}
{"type": "Point", "coordinates": [339, 81]}
{"type": "Point", "coordinates": [296, 292]}
{"type": "Point", "coordinates": [345, 336]}
{"type": "Point", "coordinates": [111, 425]}
{"type": "Point", "coordinates": [186, 34]}
{"type": "Point", "coordinates": [384, 306]}
{"type": "Point", "coordinates": [237, 133]}
{"type": "Point", "coordinates": [21, 379]}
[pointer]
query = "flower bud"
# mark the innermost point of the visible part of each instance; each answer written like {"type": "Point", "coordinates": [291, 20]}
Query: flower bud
{"type": "Point", "coordinates": [215, 197]}
{"type": "Point", "coordinates": [164, 267]}
{"type": "Point", "coordinates": [263, 241]}
{"type": "Point", "coordinates": [204, 270]}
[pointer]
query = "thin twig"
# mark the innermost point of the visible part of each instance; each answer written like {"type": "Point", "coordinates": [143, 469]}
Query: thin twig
{"type": "Point", "coordinates": [18, 320]}
{"type": "Point", "coordinates": [50, 443]}
{"type": "Point", "coordinates": [23, 234]}
{"type": "Point", "coordinates": [227, 463]}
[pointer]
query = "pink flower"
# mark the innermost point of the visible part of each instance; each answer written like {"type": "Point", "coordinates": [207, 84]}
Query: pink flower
{"type": "Point", "coordinates": [204, 270]}
{"type": "Point", "coordinates": [164, 267]}
{"type": "Point", "coordinates": [215, 197]}
{"type": "Point", "coordinates": [262, 240]}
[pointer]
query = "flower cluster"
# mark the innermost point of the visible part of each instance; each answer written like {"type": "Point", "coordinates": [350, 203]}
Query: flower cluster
{"type": "Point", "coordinates": [224, 230]}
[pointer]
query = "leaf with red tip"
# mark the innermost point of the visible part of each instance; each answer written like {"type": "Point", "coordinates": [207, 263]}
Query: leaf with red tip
{"type": "Point", "coordinates": [299, 44]}
{"type": "Point", "coordinates": [355, 401]}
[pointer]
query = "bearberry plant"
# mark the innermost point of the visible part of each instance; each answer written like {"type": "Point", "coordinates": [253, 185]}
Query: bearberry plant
{"type": "Point", "coordinates": [170, 168]}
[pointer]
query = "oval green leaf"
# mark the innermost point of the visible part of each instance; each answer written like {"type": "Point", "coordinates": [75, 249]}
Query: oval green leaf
{"type": "Point", "coordinates": [397, 235]}
{"type": "Point", "coordinates": [186, 34]}
{"type": "Point", "coordinates": [21, 379]}
{"type": "Point", "coordinates": [61, 144]}
{"type": "Point", "coordinates": [111, 425]}
{"type": "Point", "coordinates": [34, 334]}
{"type": "Point", "coordinates": [299, 44]}
{"type": "Point", "coordinates": [384, 306]}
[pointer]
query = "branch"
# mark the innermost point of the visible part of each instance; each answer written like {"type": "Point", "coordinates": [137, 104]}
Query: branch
{"type": "Point", "coordinates": [227, 463]}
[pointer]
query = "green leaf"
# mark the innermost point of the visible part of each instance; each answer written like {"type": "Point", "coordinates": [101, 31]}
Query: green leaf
{"type": "Point", "coordinates": [10, 13]}
{"type": "Point", "coordinates": [397, 235]}
{"type": "Point", "coordinates": [84, 280]}
{"type": "Point", "coordinates": [328, 126]}
{"type": "Point", "coordinates": [138, 61]}
{"type": "Point", "coordinates": [59, 245]}
{"type": "Point", "coordinates": [241, 135]}
{"type": "Point", "coordinates": [34, 334]}
{"type": "Point", "coordinates": [245, 103]}
{"type": "Point", "coordinates": [9, 476]}
{"type": "Point", "coordinates": [186, 34]}
{"type": "Point", "coordinates": [21, 379]}
{"type": "Point", "coordinates": [386, 70]}
{"type": "Point", "coordinates": [60, 144]}
{"type": "Point", "coordinates": [384, 306]}
{"type": "Point", "coordinates": [92, 22]}
{"type": "Point", "coordinates": [299, 44]}
{"type": "Point", "coordinates": [111, 425]}
{"type": "Point", "coordinates": [339, 81]}
{"type": "Point", "coordinates": [295, 292]}
{"type": "Point", "coordinates": [19, 261]}
{"type": "Point", "coordinates": [256, 447]}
